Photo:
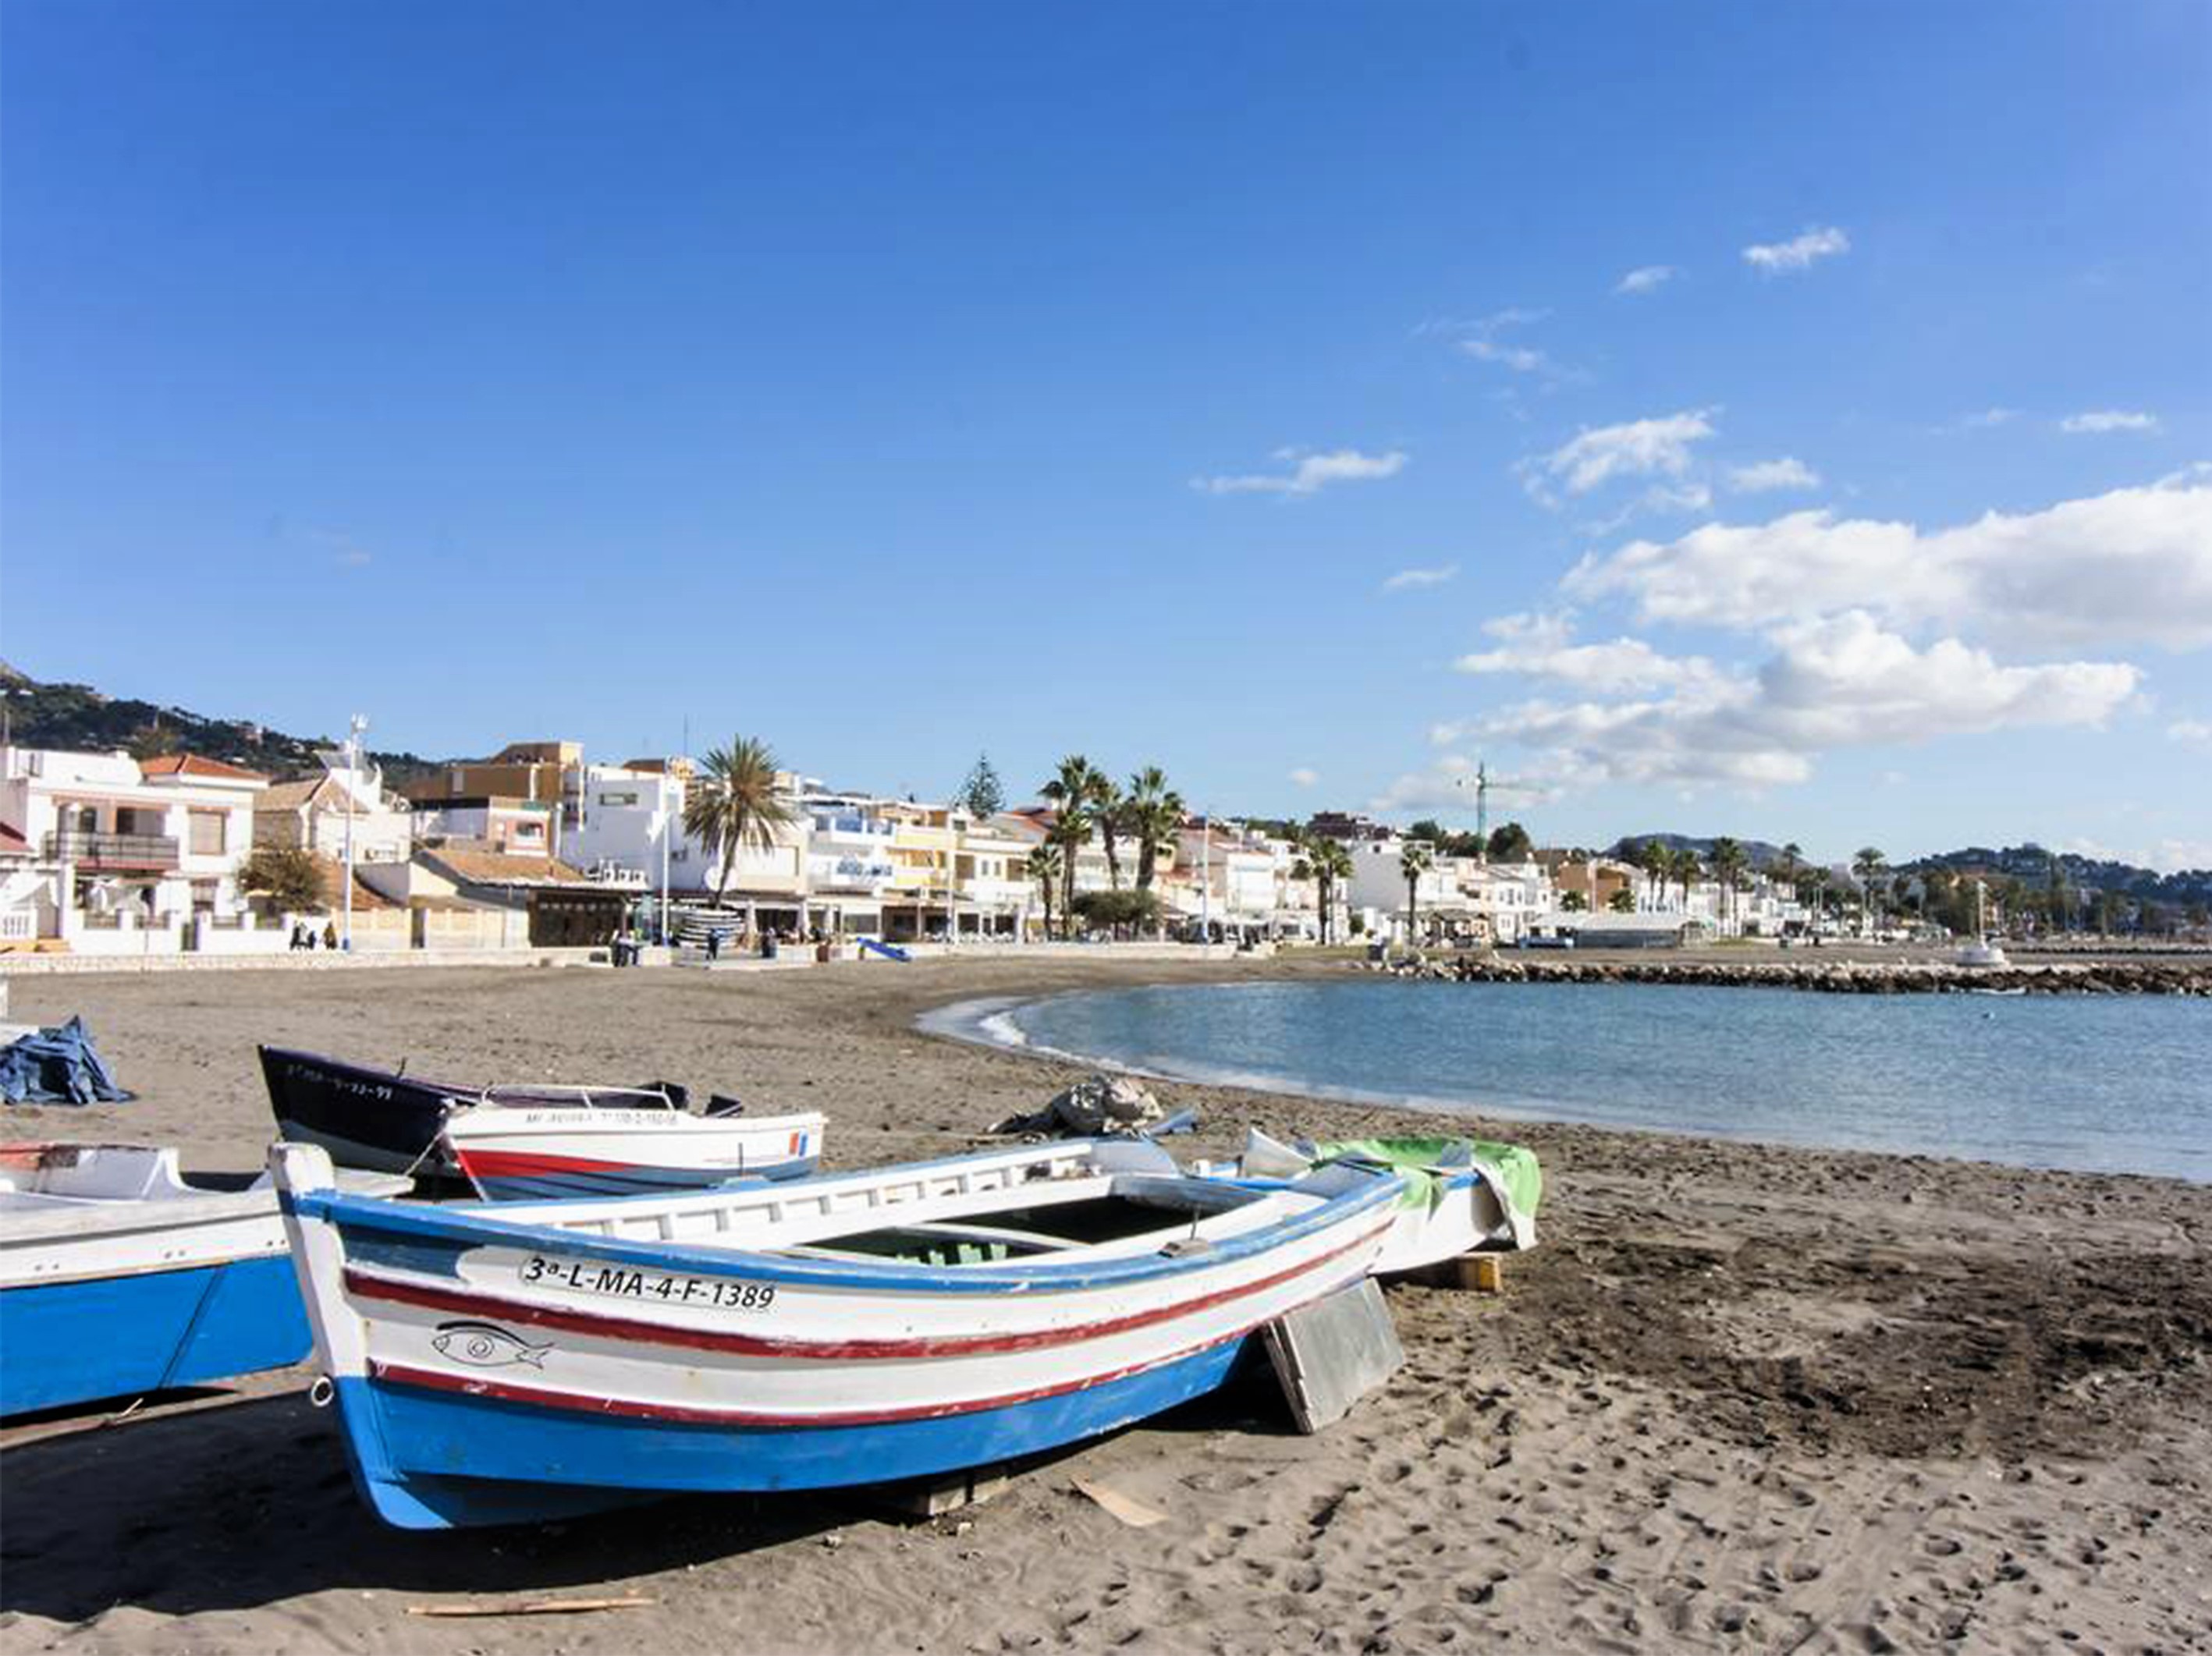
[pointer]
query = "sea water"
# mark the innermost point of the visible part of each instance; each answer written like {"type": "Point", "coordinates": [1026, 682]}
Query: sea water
{"type": "Point", "coordinates": [2099, 1083]}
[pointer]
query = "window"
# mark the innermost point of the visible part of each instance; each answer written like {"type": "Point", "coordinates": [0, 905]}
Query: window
{"type": "Point", "coordinates": [209, 829]}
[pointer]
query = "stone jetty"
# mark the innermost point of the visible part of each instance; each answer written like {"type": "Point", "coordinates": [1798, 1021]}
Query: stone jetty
{"type": "Point", "coordinates": [2191, 976]}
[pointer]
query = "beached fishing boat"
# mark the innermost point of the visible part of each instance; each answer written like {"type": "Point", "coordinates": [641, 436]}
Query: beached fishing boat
{"type": "Point", "coordinates": [120, 1276]}
{"type": "Point", "coordinates": [617, 1142]}
{"type": "Point", "coordinates": [531, 1141]}
{"type": "Point", "coordinates": [496, 1365]}
{"type": "Point", "coordinates": [1460, 1195]}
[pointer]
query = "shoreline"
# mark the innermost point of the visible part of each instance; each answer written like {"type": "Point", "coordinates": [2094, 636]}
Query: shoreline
{"type": "Point", "coordinates": [1743, 1395]}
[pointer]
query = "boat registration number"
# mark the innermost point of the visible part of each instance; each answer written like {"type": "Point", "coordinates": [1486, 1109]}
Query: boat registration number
{"type": "Point", "coordinates": [621, 1283]}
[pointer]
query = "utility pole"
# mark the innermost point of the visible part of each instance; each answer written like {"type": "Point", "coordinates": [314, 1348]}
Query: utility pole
{"type": "Point", "coordinates": [667, 826]}
{"type": "Point", "coordinates": [355, 726]}
{"type": "Point", "coordinates": [1205, 882]}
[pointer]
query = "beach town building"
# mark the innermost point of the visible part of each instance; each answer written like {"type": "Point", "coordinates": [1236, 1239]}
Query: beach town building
{"type": "Point", "coordinates": [1378, 886]}
{"type": "Point", "coordinates": [314, 814]}
{"type": "Point", "coordinates": [848, 861]}
{"type": "Point", "coordinates": [524, 828]}
{"type": "Point", "coordinates": [114, 856]}
{"type": "Point", "coordinates": [632, 821]}
{"type": "Point", "coordinates": [549, 772]}
{"type": "Point", "coordinates": [1594, 881]}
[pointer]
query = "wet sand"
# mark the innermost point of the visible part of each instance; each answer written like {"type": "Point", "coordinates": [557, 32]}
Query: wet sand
{"type": "Point", "coordinates": [1742, 1398]}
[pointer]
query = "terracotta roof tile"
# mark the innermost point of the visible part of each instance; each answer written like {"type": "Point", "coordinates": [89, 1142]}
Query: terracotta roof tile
{"type": "Point", "coordinates": [192, 764]}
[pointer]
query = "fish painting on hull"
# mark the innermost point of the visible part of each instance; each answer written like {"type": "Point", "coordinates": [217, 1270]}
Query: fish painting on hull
{"type": "Point", "coordinates": [487, 1345]}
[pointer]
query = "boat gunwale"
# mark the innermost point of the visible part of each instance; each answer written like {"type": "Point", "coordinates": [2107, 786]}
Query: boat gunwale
{"type": "Point", "coordinates": [479, 1229]}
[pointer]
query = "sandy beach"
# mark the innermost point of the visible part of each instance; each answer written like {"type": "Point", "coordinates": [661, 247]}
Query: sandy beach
{"type": "Point", "coordinates": [1741, 1398]}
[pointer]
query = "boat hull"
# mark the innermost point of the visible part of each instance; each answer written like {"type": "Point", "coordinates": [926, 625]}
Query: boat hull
{"type": "Point", "coordinates": [364, 1118]}
{"type": "Point", "coordinates": [492, 1371]}
{"type": "Point", "coordinates": [522, 1155]}
{"type": "Point", "coordinates": [76, 1342]}
{"type": "Point", "coordinates": [531, 1462]}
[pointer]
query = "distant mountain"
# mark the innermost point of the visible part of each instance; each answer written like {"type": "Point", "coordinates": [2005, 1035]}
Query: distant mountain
{"type": "Point", "coordinates": [79, 717]}
{"type": "Point", "coordinates": [2031, 864]}
{"type": "Point", "coordinates": [2028, 863]}
{"type": "Point", "coordinates": [1758, 850]}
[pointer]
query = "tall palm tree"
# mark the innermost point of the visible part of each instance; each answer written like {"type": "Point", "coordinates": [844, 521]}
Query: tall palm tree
{"type": "Point", "coordinates": [1151, 815]}
{"type": "Point", "coordinates": [1688, 873]}
{"type": "Point", "coordinates": [1324, 861]}
{"type": "Point", "coordinates": [1412, 863]}
{"type": "Point", "coordinates": [1070, 791]}
{"type": "Point", "coordinates": [1729, 863]}
{"type": "Point", "coordinates": [1867, 863]}
{"type": "Point", "coordinates": [1658, 863]}
{"type": "Point", "coordinates": [734, 804]}
{"type": "Point", "coordinates": [1044, 868]}
{"type": "Point", "coordinates": [1106, 810]}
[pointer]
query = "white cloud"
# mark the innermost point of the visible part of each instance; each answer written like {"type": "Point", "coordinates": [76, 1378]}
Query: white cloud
{"type": "Point", "coordinates": [1309, 473]}
{"type": "Point", "coordinates": [1799, 252]}
{"type": "Point", "coordinates": [2196, 732]}
{"type": "Point", "coordinates": [1304, 777]}
{"type": "Point", "coordinates": [1537, 647]}
{"type": "Point", "coordinates": [1762, 476]}
{"type": "Point", "coordinates": [1646, 278]}
{"type": "Point", "coordinates": [2099, 420]}
{"type": "Point", "coordinates": [2133, 565]}
{"type": "Point", "coordinates": [1480, 342]}
{"type": "Point", "coordinates": [1635, 448]}
{"type": "Point", "coordinates": [1411, 577]}
{"type": "Point", "coordinates": [1841, 682]}
{"type": "Point", "coordinates": [1986, 419]}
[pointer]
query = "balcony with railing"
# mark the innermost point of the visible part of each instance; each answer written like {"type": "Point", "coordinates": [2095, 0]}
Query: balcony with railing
{"type": "Point", "coordinates": [91, 850]}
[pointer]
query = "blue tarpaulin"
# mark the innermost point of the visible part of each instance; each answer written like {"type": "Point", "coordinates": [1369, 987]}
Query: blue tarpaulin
{"type": "Point", "coordinates": [58, 1066]}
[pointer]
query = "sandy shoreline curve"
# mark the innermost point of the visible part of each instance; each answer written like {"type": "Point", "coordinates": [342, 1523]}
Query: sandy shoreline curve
{"type": "Point", "coordinates": [1745, 1397]}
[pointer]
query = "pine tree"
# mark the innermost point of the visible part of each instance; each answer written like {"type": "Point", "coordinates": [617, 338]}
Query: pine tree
{"type": "Point", "coordinates": [981, 793]}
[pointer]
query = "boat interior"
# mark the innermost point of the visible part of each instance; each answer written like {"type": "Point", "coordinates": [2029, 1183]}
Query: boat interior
{"type": "Point", "coordinates": [1102, 1199]}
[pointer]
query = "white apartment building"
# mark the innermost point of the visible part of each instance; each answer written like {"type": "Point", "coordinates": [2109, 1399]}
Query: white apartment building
{"type": "Point", "coordinates": [111, 855]}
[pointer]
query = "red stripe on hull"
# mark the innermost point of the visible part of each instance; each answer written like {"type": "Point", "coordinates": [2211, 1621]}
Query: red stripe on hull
{"type": "Point", "coordinates": [364, 1285]}
{"type": "Point", "coordinates": [623, 1408]}
{"type": "Point", "coordinates": [509, 1162]}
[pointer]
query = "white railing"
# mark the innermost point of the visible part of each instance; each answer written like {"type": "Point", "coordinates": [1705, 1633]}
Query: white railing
{"type": "Point", "coordinates": [18, 925]}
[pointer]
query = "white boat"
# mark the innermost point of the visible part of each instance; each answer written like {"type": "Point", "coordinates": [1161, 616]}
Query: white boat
{"type": "Point", "coordinates": [1983, 951]}
{"type": "Point", "coordinates": [496, 1364]}
{"type": "Point", "coordinates": [1462, 1195]}
{"type": "Point", "coordinates": [618, 1142]}
{"type": "Point", "coordinates": [120, 1276]}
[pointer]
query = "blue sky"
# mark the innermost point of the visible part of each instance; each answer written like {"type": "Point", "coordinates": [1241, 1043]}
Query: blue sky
{"type": "Point", "coordinates": [899, 382]}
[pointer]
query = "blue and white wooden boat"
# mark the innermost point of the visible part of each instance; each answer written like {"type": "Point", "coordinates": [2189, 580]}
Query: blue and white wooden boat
{"type": "Point", "coordinates": [549, 1143]}
{"type": "Point", "coordinates": [501, 1364]}
{"type": "Point", "coordinates": [119, 1277]}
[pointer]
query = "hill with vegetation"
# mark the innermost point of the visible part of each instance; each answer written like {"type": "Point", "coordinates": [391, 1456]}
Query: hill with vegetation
{"type": "Point", "coordinates": [79, 718]}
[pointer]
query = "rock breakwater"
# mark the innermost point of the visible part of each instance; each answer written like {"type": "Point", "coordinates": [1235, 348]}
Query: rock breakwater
{"type": "Point", "coordinates": [2128, 977]}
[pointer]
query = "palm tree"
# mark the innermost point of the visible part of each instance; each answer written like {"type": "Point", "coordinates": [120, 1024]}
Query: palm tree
{"type": "Point", "coordinates": [1729, 863]}
{"type": "Point", "coordinates": [1658, 863]}
{"type": "Point", "coordinates": [734, 804]}
{"type": "Point", "coordinates": [1324, 861]}
{"type": "Point", "coordinates": [1044, 869]}
{"type": "Point", "coordinates": [1414, 862]}
{"type": "Point", "coordinates": [1105, 803]}
{"type": "Point", "coordinates": [1869, 863]}
{"type": "Point", "coordinates": [1151, 815]}
{"type": "Point", "coordinates": [1070, 791]}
